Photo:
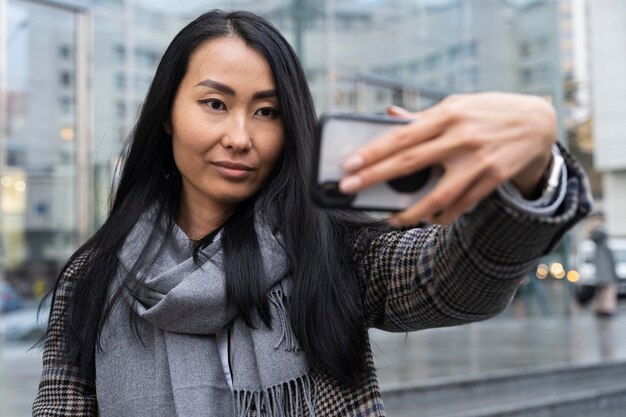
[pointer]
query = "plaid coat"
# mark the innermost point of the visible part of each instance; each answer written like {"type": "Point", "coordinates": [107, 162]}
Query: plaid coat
{"type": "Point", "coordinates": [425, 277]}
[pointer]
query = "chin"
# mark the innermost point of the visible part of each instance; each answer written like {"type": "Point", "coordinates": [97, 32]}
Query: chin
{"type": "Point", "coordinates": [233, 197]}
{"type": "Point", "coordinates": [228, 192]}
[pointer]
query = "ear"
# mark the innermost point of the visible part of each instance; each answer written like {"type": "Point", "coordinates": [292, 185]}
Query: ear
{"type": "Point", "coordinates": [167, 126]}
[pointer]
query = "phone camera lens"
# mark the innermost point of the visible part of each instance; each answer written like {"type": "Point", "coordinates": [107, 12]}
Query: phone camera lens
{"type": "Point", "coordinates": [411, 183]}
{"type": "Point", "coordinates": [331, 192]}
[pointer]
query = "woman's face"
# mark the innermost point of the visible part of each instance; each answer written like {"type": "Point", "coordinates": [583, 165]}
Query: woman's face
{"type": "Point", "coordinates": [226, 128]}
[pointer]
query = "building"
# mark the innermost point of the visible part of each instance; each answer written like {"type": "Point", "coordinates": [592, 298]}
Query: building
{"type": "Point", "coordinates": [74, 74]}
{"type": "Point", "coordinates": [608, 56]}
{"type": "Point", "coordinates": [573, 29]}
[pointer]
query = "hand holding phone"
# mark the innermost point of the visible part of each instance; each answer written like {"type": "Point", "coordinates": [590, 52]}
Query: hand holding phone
{"type": "Point", "coordinates": [481, 140]}
{"type": "Point", "coordinates": [342, 134]}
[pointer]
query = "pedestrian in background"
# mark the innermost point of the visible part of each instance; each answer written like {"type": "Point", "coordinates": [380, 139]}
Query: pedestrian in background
{"type": "Point", "coordinates": [605, 297]}
{"type": "Point", "coordinates": [215, 287]}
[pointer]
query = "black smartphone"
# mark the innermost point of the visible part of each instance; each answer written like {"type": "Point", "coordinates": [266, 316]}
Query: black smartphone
{"type": "Point", "coordinates": [339, 135]}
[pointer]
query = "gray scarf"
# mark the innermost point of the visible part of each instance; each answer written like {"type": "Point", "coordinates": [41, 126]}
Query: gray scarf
{"type": "Point", "coordinates": [174, 369]}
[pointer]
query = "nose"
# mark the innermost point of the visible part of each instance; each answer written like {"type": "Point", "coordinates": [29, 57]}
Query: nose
{"type": "Point", "coordinates": [237, 136]}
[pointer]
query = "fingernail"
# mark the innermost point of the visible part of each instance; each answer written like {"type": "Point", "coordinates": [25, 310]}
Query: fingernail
{"type": "Point", "coordinates": [397, 109]}
{"type": "Point", "coordinates": [349, 185]}
{"type": "Point", "coordinates": [353, 163]}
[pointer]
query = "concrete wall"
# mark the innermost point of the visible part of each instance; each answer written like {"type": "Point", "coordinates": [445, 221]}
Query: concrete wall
{"type": "Point", "coordinates": [608, 57]}
{"type": "Point", "coordinates": [614, 183]}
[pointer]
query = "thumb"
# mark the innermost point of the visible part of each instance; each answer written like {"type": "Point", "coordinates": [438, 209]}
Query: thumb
{"type": "Point", "coordinates": [397, 111]}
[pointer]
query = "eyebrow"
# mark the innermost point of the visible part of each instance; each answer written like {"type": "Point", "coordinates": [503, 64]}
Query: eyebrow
{"type": "Point", "coordinates": [231, 92]}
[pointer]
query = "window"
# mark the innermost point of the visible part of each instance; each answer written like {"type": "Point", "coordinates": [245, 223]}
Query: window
{"type": "Point", "coordinates": [414, 67]}
{"type": "Point", "coordinates": [120, 108]}
{"type": "Point", "coordinates": [538, 73]}
{"type": "Point", "coordinates": [395, 71]}
{"type": "Point", "coordinates": [146, 57]}
{"type": "Point", "coordinates": [65, 52]}
{"type": "Point", "coordinates": [524, 49]}
{"type": "Point", "coordinates": [65, 78]}
{"type": "Point", "coordinates": [471, 49]}
{"type": "Point", "coordinates": [67, 105]}
{"type": "Point", "coordinates": [120, 53]}
{"type": "Point", "coordinates": [542, 43]}
{"type": "Point", "coordinates": [142, 83]}
{"type": "Point", "coordinates": [543, 72]}
{"type": "Point", "coordinates": [433, 83]}
{"type": "Point", "coordinates": [15, 157]}
{"type": "Point", "coordinates": [526, 75]}
{"type": "Point", "coordinates": [450, 82]}
{"type": "Point", "coordinates": [454, 54]}
{"type": "Point", "coordinates": [472, 77]}
{"type": "Point", "coordinates": [433, 61]}
{"type": "Point", "coordinates": [120, 81]}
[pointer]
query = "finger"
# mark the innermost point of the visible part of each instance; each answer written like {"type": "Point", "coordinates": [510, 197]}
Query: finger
{"type": "Point", "coordinates": [397, 111]}
{"type": "Point", "coordinates": [450, 187]}
{"type": "Point", "coordinates": [476, 192]}
{"type": "Point", "coordinates": [402, 163]}
{"type": "Point", "coordinates": [396, 140]}
{"type": "Point", "coordinates": [492, 179]}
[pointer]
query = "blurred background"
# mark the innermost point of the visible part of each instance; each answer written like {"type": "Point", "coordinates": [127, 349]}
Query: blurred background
{"type": "Point", "coordinates": [73, 75]}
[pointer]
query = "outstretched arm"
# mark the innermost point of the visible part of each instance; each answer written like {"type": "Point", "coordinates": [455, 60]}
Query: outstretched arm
{"type": "Point", "coordinates": [443, 275]}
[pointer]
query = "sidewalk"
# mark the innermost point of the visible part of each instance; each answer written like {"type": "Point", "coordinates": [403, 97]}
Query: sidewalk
{"type": "Point", "coordinates": [502, 343]}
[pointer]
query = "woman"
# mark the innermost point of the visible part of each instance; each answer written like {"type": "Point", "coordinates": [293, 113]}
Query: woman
{"type": "Point", "coordinates": [605, 297]}
{"type": "Point", "coordinates": [216, 288]}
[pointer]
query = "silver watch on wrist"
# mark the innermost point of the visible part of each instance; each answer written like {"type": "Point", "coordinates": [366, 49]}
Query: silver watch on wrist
{"type": "Point", "coordinates": [554, 176]}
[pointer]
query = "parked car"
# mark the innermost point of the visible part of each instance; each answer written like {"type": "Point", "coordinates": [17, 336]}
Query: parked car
{"type": "Point", "coordinates": [9, 298]}
{"type": "Point", "coordinates": [27, 323]}
{"type": "Point", "coordinates": [587, 269]}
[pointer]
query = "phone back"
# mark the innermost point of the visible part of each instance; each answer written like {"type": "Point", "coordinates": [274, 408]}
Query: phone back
{"type": "Point", "coordinates": [342, 134]}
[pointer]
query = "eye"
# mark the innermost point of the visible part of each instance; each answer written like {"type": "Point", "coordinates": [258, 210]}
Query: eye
{"type": "Point", "coordinates": [268, 113]}
{"type": "Point", "coordinates": [214, 104]}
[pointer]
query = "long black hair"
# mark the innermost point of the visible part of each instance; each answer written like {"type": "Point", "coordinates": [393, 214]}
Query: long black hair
{"type": "Point", "coordinates": [325, 307]}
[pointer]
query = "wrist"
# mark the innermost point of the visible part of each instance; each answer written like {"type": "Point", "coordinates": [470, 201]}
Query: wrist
{"type": "Point", "coordinates": [532, 181]}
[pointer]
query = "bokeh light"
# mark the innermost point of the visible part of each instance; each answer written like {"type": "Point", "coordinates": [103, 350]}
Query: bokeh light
{"type": "Point", "coordinates": [557, 270]}
{"type": "Point", "coordinates": [573, 275]}
{"type": "Point", "coordinates": [542, 271]}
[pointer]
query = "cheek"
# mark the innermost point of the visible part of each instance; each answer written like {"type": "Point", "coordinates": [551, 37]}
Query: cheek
{"type": "Point", "coordinates": [187, 148]}
{"type": "Point", "coordinates": [187, 161]}
{"type": "Point", "coordinates": [272, 153]}
{"type": "Point", "coordinates": [180, 158]}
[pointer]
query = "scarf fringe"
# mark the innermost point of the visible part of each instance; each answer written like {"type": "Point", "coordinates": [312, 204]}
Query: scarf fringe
{"type": "Point", "coordinates": [291, 345]}
{"type": "Point", "coordinates": [295, 398]}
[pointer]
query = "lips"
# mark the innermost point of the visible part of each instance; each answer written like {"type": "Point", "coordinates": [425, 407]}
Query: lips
{"type": "Point", "coordinates": [233, 170]}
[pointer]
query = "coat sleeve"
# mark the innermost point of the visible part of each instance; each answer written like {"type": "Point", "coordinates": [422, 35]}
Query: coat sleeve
{"type": "Point", "coordinates": [436, 276]}
{"type": "Point", "coordinates": [62, 392]}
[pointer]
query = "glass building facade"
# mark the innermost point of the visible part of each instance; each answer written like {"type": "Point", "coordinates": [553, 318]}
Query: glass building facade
{"type": "Point", "coordinates": [73, 75]}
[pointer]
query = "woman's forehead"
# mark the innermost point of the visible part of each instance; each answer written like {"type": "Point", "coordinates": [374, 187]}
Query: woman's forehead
{"type": "Point", "coordinates": [229, 58]}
